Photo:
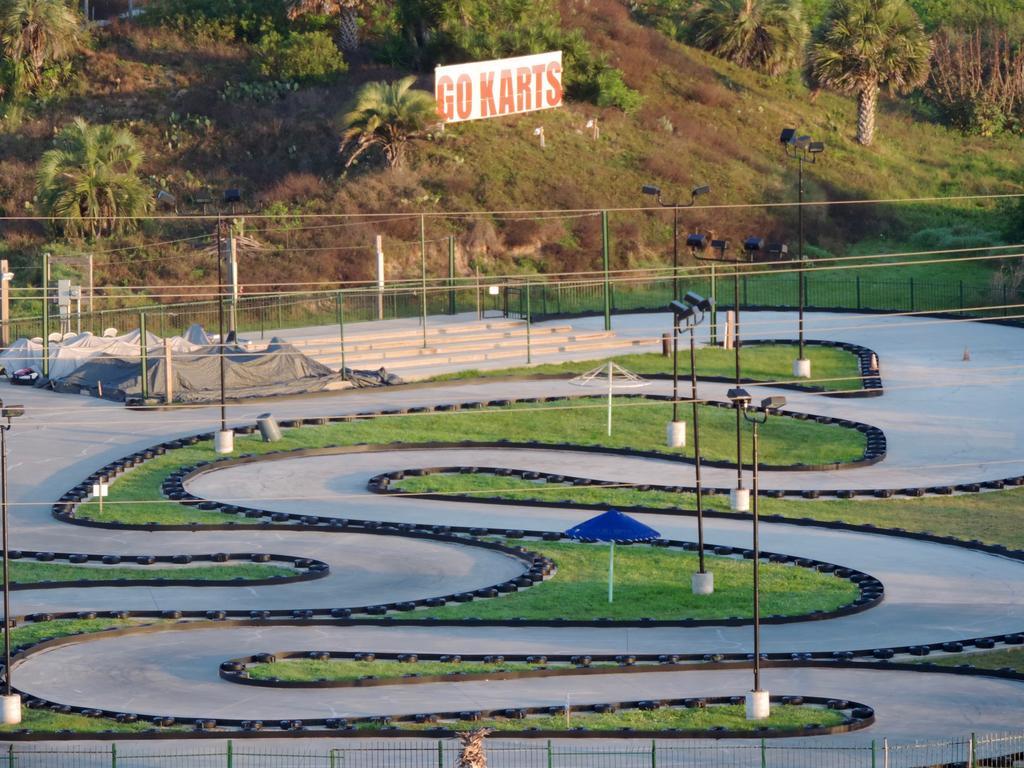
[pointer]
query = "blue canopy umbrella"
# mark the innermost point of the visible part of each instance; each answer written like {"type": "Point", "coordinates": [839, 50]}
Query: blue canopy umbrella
{"type": "Point", "coordinates": [612, 526]}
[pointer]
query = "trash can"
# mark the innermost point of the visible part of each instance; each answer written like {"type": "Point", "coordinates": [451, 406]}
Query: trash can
{"type": "Point", "coordinates": [269, 430]}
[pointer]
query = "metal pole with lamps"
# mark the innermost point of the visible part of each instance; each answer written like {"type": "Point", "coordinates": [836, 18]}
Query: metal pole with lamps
{"type": "Point", "coordinates": [650, 189]}
{"type": "Point", "coordinates": [693, 313]}
{"type": "Point", "coordinates": [225, 438]}
{"type": "Point", "coordinates": [11, 702]}
{"type": "Point", "coordinates": [758, 705]}
{"type": "Point", "coordinates": [803, 150]}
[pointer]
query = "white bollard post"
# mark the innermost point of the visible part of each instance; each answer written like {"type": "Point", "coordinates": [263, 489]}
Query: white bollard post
{"type": "Point", "coordinates": [739, 499]}
{"type": "Point", "coordinates": [702, 583]}
{"type": "Point", "coordinates": [801, 368]}
{"type": "Point", "coordinates": [676, 434]}
{"type": "Point", "coordinates": [224, 441]}
{"type": "Point", "coordinates": [758, 705]}
{"type": "Point", "coordinates": [11, 709]}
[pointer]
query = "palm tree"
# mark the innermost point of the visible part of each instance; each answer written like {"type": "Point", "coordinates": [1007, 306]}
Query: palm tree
{"type": "Point", "coordinates": [387, 115]}
{"type": "Point", "coordinates": [36, 33]}
{"type": "Point", "coordinates": [347, 12]}
{"type": "Point", "coordinates": [763, 34]}
{"type": "Point", "coordinates": [867, 44]}
{"type": "Point", "coordinates": [89, 180]}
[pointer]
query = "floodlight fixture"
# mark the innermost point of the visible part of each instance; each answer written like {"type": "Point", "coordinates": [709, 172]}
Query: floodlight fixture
{"type": "Point", "coordinates": [787, 135]}
{"type": "Point", "coordinates": [753, 244]}
{"type": "Point", "coordinates": [699, 302]}
{"type": "Point", "coordinates": [720, 245]}
{"type": "Point", "coordinates": [739, 396]}
{"type": "Point", "coordinates": [11, 411]}
{"type": "Point", "coordinates": [697, 242]}
{"type": "Point", "coordinates": [778, 250]}
{"type": "Point", "coordinates": [650, 189]}
{"type": "Point", "coordinates": [701, 190]}
{"type": "Point", "coordinates": [166, 199]}
{"type": "Point", "coordinates": [773, 403]}
{"type": "Point", "coordinates": [681, 310]}
{"type": "Point", "coordinates": [233, 195]}
{"type": "Point", "coordinates": [816, 147]}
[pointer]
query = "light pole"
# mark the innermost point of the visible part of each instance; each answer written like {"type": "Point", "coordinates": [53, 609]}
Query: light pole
{"type": "Point", "coordinates": [803, 150]}
{"type": "Point", "coordinates": [224, 441]}
{"type": "Point", "coordinates": [693, 312]}
{"type": "Point", "coordinates": [758, 705]}
{"type": "Point", "coordinates": [650, 189]}
{"type": "Point", "coordinates": [11, 707]}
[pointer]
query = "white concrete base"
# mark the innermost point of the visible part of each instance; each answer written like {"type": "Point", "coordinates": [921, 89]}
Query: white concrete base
{"type": "Point", "coordinates": [739, 499]}
{"type": "Point", "coordinates": [676, 434]}
{"type": "Point", "coordinates": [224, 441]}
{"type": "Point", "coordinates": [702, 583]}
{"type": "Point", "coordinates": [758, 705]}
{"type": "Point", "coordinates": [802, 368]}
{"type": "Point", "coordinates": [11, 709]}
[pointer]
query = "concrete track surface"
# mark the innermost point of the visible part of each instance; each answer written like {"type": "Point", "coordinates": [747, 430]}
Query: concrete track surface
{"type": "Point", "coordinates": [947, 421]}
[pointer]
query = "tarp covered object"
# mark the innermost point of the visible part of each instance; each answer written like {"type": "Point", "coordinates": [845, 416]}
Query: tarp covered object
{"type": "Point", "coordinates": [279, 370]}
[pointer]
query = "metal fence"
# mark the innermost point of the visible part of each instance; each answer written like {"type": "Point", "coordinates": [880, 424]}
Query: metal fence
{"type": "Point", "coordinates": [538, 299]}
{"type": "Point", "coordinates": [997, 751]}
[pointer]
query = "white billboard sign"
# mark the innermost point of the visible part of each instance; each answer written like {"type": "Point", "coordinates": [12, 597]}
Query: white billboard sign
{"type": "Point", "coordinates": [500, 87]}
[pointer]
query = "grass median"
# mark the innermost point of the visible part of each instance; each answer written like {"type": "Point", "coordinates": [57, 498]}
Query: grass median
{"type": "Point", "coordinates": [992, 517]}
{"type": "Point", "coordinates": [24, 573]}
{"type": "Point", "coordinates": [653, 582]}
{"type": "Point", "coordinates": [639, 424]}
{"type": "Point", "coordinates": [833, 368]}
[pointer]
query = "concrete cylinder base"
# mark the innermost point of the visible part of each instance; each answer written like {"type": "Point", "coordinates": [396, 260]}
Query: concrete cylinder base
{"type": "Point", "coordinates": [758, 705]}
{"type": "Point", "coordinates": [802, 368]}
{"type": "Point", "coordinates": [739, 499]}
{"type": "Point", "coordinates": [11, 709]}
{"type": "Point", "coordinates": [702, 583]}
{"type": "Point", "coordinates": [224, 441]}
{"type": "Point", "coordinates": [676, 434]}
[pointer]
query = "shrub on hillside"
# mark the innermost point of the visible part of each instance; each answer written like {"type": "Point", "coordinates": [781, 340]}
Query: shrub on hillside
{"type": "Point", "coordinates": [300, 56]}
{"type": "Point", "coordinates": [218, 19]}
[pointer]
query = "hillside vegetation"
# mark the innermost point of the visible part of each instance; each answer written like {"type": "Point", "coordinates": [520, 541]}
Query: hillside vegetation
{"type": "Point", "coordinates": [210, 111]}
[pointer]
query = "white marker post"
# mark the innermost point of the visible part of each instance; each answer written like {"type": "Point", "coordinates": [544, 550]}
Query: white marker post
{"type": "Point", "coordinates": [100, 491]}
{"type": "Point", "coordinates": [380, 277]}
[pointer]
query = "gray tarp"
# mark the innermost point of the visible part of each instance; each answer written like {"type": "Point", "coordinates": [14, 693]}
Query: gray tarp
{"type": "Point", "coordinates": [280, 370]}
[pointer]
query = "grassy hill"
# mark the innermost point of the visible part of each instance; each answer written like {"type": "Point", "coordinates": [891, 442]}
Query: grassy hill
{"type": "Point", "coordinates": [702, 121]}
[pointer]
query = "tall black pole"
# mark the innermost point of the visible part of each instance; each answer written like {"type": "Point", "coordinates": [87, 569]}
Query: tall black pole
{"type": "Point", "coordinates": [736, 349]}
{"type": "Point", "coordinates": [757, 571]}
{"type": "Point", "coordinates": [220, 319]}
{"type": "Point", "coordinates": [7, 573]}
{"type": "Point", "coordinates": [696, 446]}
{"type": "Point", "coordinates": [800, 253]}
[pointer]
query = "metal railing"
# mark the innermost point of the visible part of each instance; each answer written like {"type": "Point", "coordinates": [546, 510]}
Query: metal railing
{"type": "Point", "coordinates": [990, 751]}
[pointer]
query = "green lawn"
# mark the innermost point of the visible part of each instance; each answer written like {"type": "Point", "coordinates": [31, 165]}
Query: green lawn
{"type": "Point", "coordinates": [1012, 658]}
{"type": "Point", "coordinates": [653, 582]}
{"type": "Point", "coordinates": [34, 572]}
{"type": "Point", "coordinates": [727, 716]}
{"type": "Point", "coordinates": [639, 424]}
{"type": "Point", "coordinates": [832, 368]}
{"type": "Point", "coordinates": [346, 670]}
{"type": "Point", "coordinates": [992, 517]}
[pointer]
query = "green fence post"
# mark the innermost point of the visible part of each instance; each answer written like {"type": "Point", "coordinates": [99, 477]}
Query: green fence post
{"type": "Point", "coordinates": [423, 276]}
{"type": "Point", "coordinates": [451, 275]}
{"type": "Point", "coordinates": [764, 754]}
{"type": "Point", "coordinates": [440, 754]}
{"type": "Point", "coordinates": [340, 299]}
{"type": "Point", "coordinates": [605, 249]}
{"type": "Point", "coordinates": [529, 321]}
{"type": "Point", "coordinates": [911, 294]}
{"type": "Point", "coordinates": [1005, 300]}
{"type": "Point", "coordinates": [654, 754]}
{"type": "Point", "coordinates": [46, 315]}
{"type": "Point", "coordinates": [974, 751]}
{"type": "Point", "coordinates": [332, 759]}
{"type": "Point", "coordinates": [142, 355]}
{"type": "Point", "coordinates": [231, 754]}
{"type": "Point", "coordinates": [714, 309]}
{"type": "Point", "coordinates": [280, 311]}
{"type": "Point", "coordinates": [961, 296]}
{"type": "Point", "coordinates": [746, 293]}
{"type": "Point", "coordinates": [858, 291]}
{"type": "Point", "coordinates": [113, 756]}
{"type": "Point", "coordinates": [874, 754]}
{"type": "Point", "coordinates": [551, 760]}
{"type": "Point", "coordinates": [10, 756]}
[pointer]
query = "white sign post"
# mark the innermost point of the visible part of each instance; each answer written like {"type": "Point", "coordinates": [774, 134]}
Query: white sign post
{"type": "Point", "coordinates": [100, 490]}
{"type": "Point", "coordinates": [500, 87]}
